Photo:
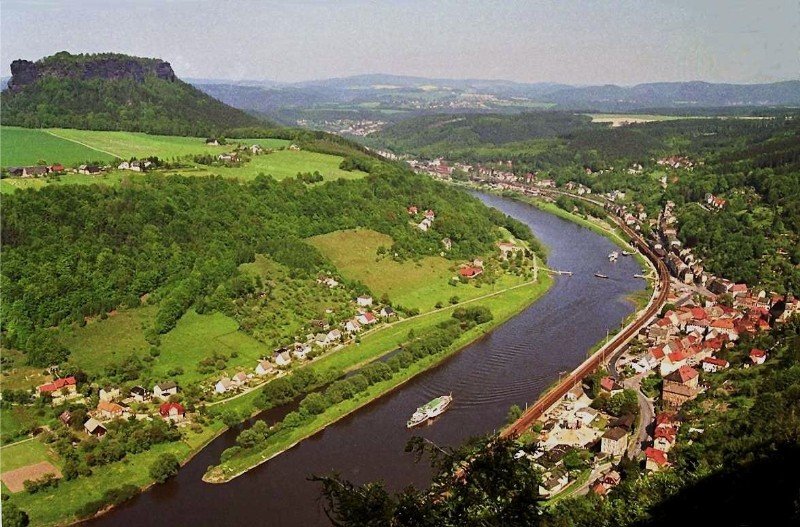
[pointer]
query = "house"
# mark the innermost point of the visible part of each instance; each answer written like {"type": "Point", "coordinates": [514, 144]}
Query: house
{"type": "Point", "coordinates": [614, 442]}
{"type": "Point", "coordinates": [626, 422]}
{"type": "Point", "coordinates": [656, 459]}
{"type": "Point", "coordinates": [223, 385]}
{"type": "Point", "coordinates": [124, 166]}
{"type": "Point", "coordinates": [333, 336]}
{"type": "Point", "coordinates": [300, 351]}
{"type": "Point", "coordinates": [679, 386]}
{"type": "Point", "coordinates": [507, 248]}
{"type": "Point", "coordinates": [93, 427]}
{"type": "Point", "coordinates": [67, 384]}
{"type": "Point", "coordinates": [558, 479]}
{"type": "Point", "coordinates": [56, 169]}
{"type": "Point", "coordinates": [757, 356]}
{"type": "Point", "coordinates": [587, 415]}
{"type": "Point", "coordinates": [664, 437]}
{"type": "Point", "coordinates": [211, 141]}
{"type": "Point", "coordinates": [470, 271]}
{"type": "Point", "coordinates": [713, 364]}
{"type": "Point", "coordinates": [109, 394]}
{"type": "Point", "coordinates": [430, 215]}
{"type": "Point", "coordinates": [108, 410]}
{"type": "Point", "coordinates": [425, 224]}
{"type": "Point", "coordinates": [139, 394]}
{"type": "Point", "coordinates": [89, 169]}
{"type": "Point", "coordinates": [387, 312]}
{"type": "Point", "coordinates": [164, 389]}
{"type": "Point", "coordinates": [610, 386]}
{"type": "Point", "coordinates": [575, 393]}
{"type": "Point", "coordinates": [240, 378]}
{"type": "Point", "coordinates": [364, 301]}
{"type": "Point", "coordinates": [366, 318]}
{"type": "Point", "coordinates": [282, 358]}
{"type": "Point", "coordinates": [412, 209]}
{"type": "Point", "coordinates": [352, 326]}
{"type": "Point", "coordinates": [447, 243]}
{"type": "Point", "coordinates": [256, 149]}
{"type": "Point", "coordinates": [34, 171]}
{"type": "Point", "coordinates": [264, 367]}
{"type": "Point", "coordinates": [172, 412]}
{"type": "Point", "coordinates": [65, 417]}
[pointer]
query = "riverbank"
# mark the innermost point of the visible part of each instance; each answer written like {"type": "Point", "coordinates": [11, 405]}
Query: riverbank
{"type": "Point", "coordinates": [503, 305]}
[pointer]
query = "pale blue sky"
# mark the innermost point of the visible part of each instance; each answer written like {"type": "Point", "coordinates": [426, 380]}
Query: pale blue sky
{"type": "Point", "coordinates": [577, 42]}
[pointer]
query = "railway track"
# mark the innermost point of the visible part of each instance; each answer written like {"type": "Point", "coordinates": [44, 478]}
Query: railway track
{"type": "Point", "coordinates": [622, 338]}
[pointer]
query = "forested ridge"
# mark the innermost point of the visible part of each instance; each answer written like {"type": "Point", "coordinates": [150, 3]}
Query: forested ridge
{"type": "Point", "coordinates": [75, 251]}
{"type": "Point", "coordinates": [112, 92]}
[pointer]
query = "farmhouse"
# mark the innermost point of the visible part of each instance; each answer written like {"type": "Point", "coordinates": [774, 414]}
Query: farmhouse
{"type": "Point", "coordinates": [172, 412]}
{"type": "Point", "coordinates": [68, 384]}
{"type": "Point", "coordinates": [164, 389]}
{"type": "Point", "coordinates": [223, 385]}
{"type": "Point", "coordinates": [264, 367]}
{"type": "Point", "coordinates": [352, 326]}
{"type": "Point", "coordinates": [93, 427]}
{"type": "Point", "coordinates": [387, 312]}
{"type": "Point", "coordinates": [332, 336]}
{"type": "Point", "coordinates": [282, 358]}
{"type": "Point", "coordinates": [366, 318]}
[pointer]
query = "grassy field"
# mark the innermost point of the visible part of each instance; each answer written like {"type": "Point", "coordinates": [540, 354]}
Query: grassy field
{"type": "Point", "coordinates": [411, 284]}
{"type": "Point", "coordinates": [26, 453]}
{"type": "Point", "coordinates": [623, 119]}
{"type": "Point", "coordinates": [285, 164]}
{"type": "Point", "coordinates": [25, 146]}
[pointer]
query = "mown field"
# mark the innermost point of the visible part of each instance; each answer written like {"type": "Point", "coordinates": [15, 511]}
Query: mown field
{"type": "Point", "coordinates": [413, 284]}
{"type": "Point", "coordinates": [22, 146]}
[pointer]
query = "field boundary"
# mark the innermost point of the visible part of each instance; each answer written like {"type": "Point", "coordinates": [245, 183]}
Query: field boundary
{"type": "Point", "coordinates": [112, 154]}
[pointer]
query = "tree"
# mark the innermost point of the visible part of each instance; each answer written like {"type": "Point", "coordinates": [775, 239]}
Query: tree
{"type": "Point", "coordinates": [164, 467]}
{"type": "Point", "coordinates": [13, 516]}
{"type": "Point", "coordinates": [514, 413]}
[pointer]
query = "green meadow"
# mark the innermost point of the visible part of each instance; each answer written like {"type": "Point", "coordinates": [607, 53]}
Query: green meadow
{"type": "Point", "coordinates": [25, 146]}
{"type": "Point", "coordinates": [413, 284]}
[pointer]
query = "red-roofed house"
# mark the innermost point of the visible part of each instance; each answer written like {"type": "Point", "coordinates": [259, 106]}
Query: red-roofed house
{"type": "Point", "coordinates": [758, 356]}
{"type": "Point", "coordinates": [412, 209]}
{"type": "Point", "coordinates": [664, 437]}
{"type": "Point", "coordinates": [172, 412]}
{"type": "Point", "coordinates": [656, 459]}
{"type": "Point", "coordinates": [67, 383]}
{"type": "Point", "coordinates": [609, 385]}
{"type": "Point", "coordinates": [367, 318]}
{"type": "Point", "coordinates": [679, 386]}
{"type": "Point", "coordinates": [713, 364]}
{"type": "Point", "coordinates": [470, 271]}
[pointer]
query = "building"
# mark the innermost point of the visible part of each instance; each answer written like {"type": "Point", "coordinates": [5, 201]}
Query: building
{"type": "Point", "coordinates": [93, 427]}
{"type": "Point", "coordinates": [164, 389]}
{"type": "Point", "coordinates": [610, 386]}
{"type": "Point", "coordinates": [223, 385]}
{"type": "Point", "coordinates": [366, 318]}
{"type": "Point", "coordinates": [109, 394]}
{"type": "Point", "coordinates": [713, 364]}
{"type": "Point", "coordinates": [240, 378]}
{"type": "Point", "coordinates": [614, 442]}
{"type": "Point", "coordinates": [282, 358]}
{"type": "Point", "coordinates": [387, 312]}
{"type": "Point", "coordinates": [264, 367]}
{"type": "Point", "coordinates": [139, 394]}
{"type": "Point", "coordinates": [470, 271]}
{"type": "Point", "coordinates": [679, 387]}
{"type": "Point", "coordinates": [757, 356]}
{"type": "Point", "coordinates": [173, 412]}
{"type": "Point", "coordinates": [554, 484]}
{"type": "Point", "coordinates": [655, 459]}
{"type": "Point", "coordinates": [364, 301]}
{"type": "Point", "coordinates": [107, 410]}
{"type": "Point", "coordinates": [66, 385]}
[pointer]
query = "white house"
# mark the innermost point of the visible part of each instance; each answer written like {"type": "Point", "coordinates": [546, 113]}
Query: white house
{"type": "Point", "coordinates": [223, 385]}
{"type": "Point", "coordinates": [364, 301]}
{"type": "Point", "coordinates": [164, 389]}
{"type": "Point", "coordinates": [239, 379]}
{"type": "Point", "coordinates": [109, 394]}
{"type": "Point", "coordinates": [282, 358]}
{"type": "Point", "coordinates": [352, 326]}
{"type": "Point", "coordinates": [300, 351]}
{"type": "Point", "coordinates": [264, 367]}
{"type": "Point", "coordinates": [333, 336]}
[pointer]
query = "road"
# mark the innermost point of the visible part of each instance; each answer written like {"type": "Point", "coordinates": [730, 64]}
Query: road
{"type": "Point", "coordinates": [610, 349]}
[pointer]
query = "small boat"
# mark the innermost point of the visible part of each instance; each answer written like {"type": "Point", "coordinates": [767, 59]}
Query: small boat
{"type": "Point", "coordinates": [612, 257]}
{"type": "Point", "coordinates": [598, 275]}
{"type": "Point", "coordinates": [627, 253]}
{"type": "Point", "coordinates": [429, 410]}
{"type": "Point", "coordinates": [639, 276]}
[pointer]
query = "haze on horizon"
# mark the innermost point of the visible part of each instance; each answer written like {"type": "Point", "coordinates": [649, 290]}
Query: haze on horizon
{"type": "Point", "coordinates": [617, 42]}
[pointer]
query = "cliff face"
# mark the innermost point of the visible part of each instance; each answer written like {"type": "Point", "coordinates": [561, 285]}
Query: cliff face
{"type": "Point", "coordinates": [107, 66]}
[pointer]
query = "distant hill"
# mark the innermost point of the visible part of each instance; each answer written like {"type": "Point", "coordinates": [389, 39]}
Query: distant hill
{"type": "Point", "coordinates": [453, 131]}
{"type": "Point", "coordinates": [112, 92]}
{"type": "Point", "coordinates": [678, 95]}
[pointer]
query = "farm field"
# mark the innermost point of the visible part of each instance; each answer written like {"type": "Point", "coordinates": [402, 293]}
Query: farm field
{"type": "Point", "coordinates": [623, 119]}
{"type": "Point", "coordinates": [25, 146]}
{"type": "Point", "coordinates": [411, 284]}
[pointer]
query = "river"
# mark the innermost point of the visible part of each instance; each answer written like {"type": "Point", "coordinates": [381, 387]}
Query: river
{"type": "Point", "coordinates": [511, 365]}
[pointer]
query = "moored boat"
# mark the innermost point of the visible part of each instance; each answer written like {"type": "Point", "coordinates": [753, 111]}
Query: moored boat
{"type": "Point", "coordinates": [612, 257]}
{"type": "Point", "coordinates": [429, 410]}
{"type": "Point", "coordinates": [627, 253]}
{"type": "Point", "coordinates": [598, 275]}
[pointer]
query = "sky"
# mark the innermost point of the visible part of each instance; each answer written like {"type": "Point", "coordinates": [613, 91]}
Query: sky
{"type": "Point", "coordinates": [574, 42]}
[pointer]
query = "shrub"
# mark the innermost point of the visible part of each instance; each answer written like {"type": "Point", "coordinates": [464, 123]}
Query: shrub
{"type": "Point", "coordinates": [165, 467]}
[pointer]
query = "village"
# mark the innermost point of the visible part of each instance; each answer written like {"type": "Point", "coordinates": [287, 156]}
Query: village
{"type": "Point", "coordinates": [630, 410]}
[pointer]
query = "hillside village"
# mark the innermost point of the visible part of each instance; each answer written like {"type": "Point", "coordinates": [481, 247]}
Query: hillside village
{"type": "Point", "coordinates": [632, 411]}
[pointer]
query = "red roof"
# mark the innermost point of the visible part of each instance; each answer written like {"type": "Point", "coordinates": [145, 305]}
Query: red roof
{"type": "Point", "coordinates": [57, 384]}
{"type": "Point", "coordinates": [722, 363]}
{"type": "Point", "coordinates": [657, 353]}
{"type": "Point", "coordinates": [666, 432]}
{"type": "Point", "coordinates": [58, 167]}
{"type": "Point", "coordinates": [684, 373]}
{"type": "Point", "coordinates": [722, 323]}
{"type": "Point", "coordinates": [676, 356]}
{"type": "Point", "coordinates": [165, 408]}
{"type": "Point", "coordinates": [369, 317]}
{"type": "Point", "coordinates": [656, 455]}
{"type": "Point", "coordinates": [698, 313]}
{"type": "Point", "coordinates": [469, 272]}
{"type": "Point", "coordinates": [756, 353]}
{"type": "Point", "coordinates": [739, 288]}
{"type": "Point", "coordinates": [663, 418]}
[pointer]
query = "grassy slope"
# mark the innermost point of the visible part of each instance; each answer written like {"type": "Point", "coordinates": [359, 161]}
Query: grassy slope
{"type": "Point", "coordinates": [19, 455]}
{"type": "Point", "coordinates": [411, 284]}
{"type": "Point", "coordinates": [25, 146]}
{"type": "Point", "coordinates": [285, 164]}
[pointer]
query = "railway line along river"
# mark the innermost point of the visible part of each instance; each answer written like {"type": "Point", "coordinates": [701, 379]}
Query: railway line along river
{"type": "Point", "coordinates": [511, 365]}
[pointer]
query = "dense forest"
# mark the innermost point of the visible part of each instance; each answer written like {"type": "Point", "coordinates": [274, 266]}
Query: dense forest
{"type": "Point", "coordinates": [112, 92]}
{"type": "Point", "coordinates": [75, 251]}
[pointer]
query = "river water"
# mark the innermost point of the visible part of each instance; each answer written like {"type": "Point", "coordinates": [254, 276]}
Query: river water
{"type": "Point", "coordinates": [511, 365]}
